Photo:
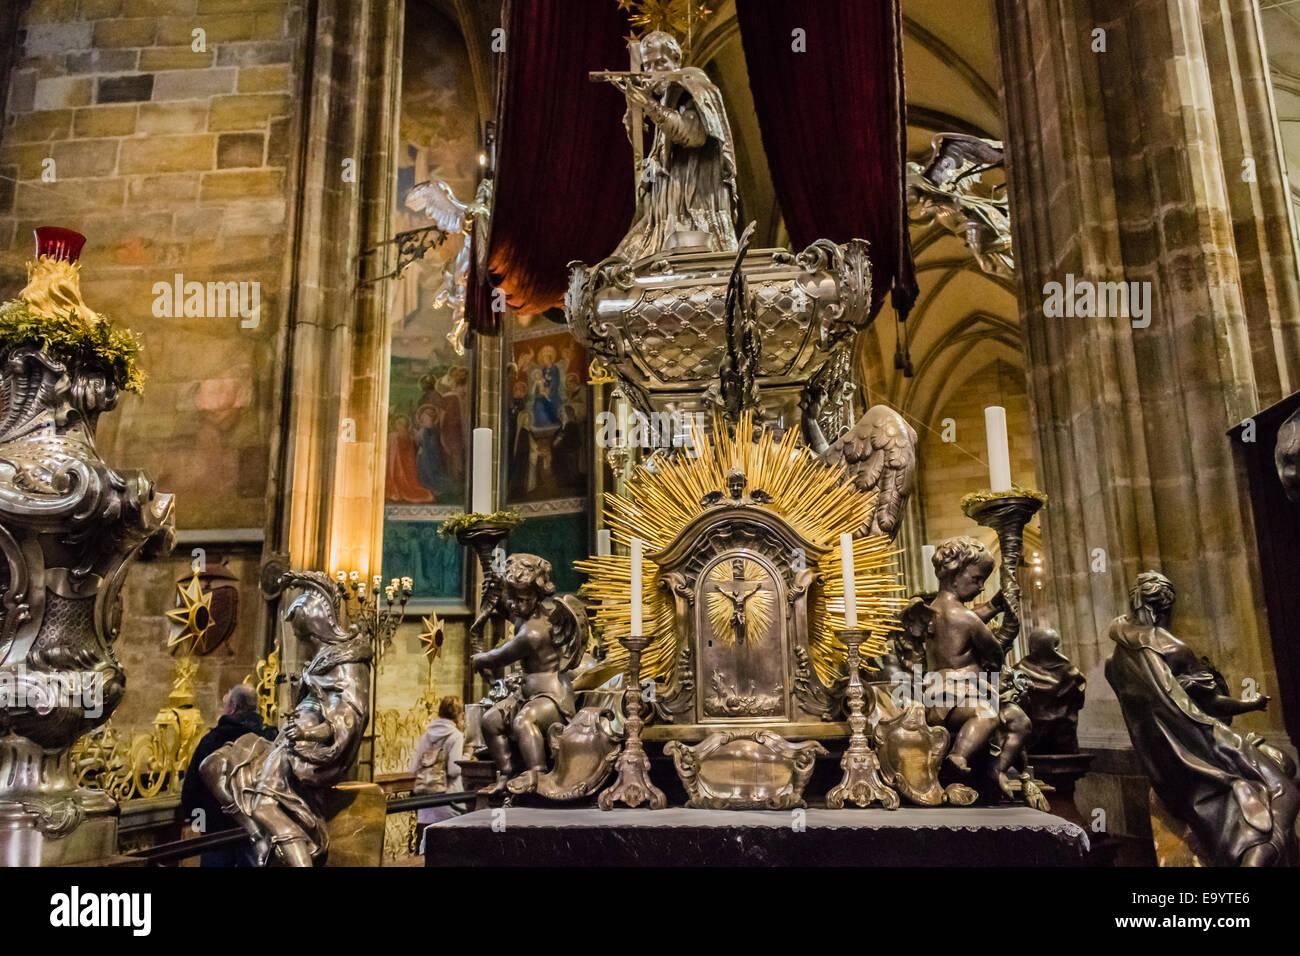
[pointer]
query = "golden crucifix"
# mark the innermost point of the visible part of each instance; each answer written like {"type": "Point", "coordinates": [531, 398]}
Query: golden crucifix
{"type": "Point", "coordinates": [738, 590]}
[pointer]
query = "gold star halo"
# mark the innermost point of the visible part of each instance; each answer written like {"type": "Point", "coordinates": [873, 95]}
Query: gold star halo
{"type": "Point", "coordinates": [431, 637]}
{"type": "Point", "coordinates": [193, 614]}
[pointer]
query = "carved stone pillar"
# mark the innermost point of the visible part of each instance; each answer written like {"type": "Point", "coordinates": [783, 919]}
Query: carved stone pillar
{"type": "Point", "coordinates": [1129, 124]}
{"type": "Point", "coordinates": [328, 486]}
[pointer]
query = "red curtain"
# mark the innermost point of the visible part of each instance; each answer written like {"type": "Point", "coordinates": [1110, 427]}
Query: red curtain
{"type": "Point", "coordinates": [832, 121]}
{"type": "Point", "coordinates": [564, 178]}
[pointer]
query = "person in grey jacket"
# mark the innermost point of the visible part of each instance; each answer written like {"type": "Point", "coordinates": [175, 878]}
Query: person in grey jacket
{"type": "Point", "coordinates": [436, 753]}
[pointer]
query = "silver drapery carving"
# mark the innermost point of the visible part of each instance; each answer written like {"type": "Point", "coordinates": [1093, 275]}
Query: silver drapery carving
{"type": "Point", "coordinates": [277, 790]}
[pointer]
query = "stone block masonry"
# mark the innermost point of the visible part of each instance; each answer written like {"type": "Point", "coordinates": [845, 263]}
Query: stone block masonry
{"type": "Point", "coordinates": [160, 129]}
{"type": "Point", "coordinates": [172, 156]}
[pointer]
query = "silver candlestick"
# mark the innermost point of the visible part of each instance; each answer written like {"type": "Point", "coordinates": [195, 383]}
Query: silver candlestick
{"type": "Point", "coordinates": [861, 782]}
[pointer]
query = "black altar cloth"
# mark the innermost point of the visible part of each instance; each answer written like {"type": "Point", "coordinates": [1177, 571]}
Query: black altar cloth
{"type": "Point", "coordinates": [679, 836]}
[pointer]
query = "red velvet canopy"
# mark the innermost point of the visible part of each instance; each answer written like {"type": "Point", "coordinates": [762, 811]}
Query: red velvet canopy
{"type": "Point", "coordinates": [831, 107]}
{"type": "Point", "coordinates": [831, 119]}
{"type": "Point", "coordinates": [564, 178]}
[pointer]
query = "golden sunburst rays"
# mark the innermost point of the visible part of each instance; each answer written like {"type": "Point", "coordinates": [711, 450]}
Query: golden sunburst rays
{"type": "Point", "coordinates": [880, 596]}
{"type": "Point", "coordinates": [742, 593]}
{"type": "Point", "coordinates": [812, 496]}
{"type": "Point", "coordinates": [609, 587]}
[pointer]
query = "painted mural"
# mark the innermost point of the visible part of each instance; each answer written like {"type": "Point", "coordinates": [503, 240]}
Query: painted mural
{"type": "Point", "coordinates": [546, 444]}
{"type": "Point", "coordinates": [547, 416]}
{"type": "Point", "coordinates": [431, 388]}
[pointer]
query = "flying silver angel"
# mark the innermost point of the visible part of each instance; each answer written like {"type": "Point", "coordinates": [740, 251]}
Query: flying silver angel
{"type": "Point", "coordinates": [436, 200]}
{"type": "Point", "coordinates": [945, 191]}
{"type": "Point", "coordinates": [879, 453]}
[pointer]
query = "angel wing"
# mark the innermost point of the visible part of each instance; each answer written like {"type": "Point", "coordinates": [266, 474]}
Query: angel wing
{"type": "Point", "coordinates": [880, 455]}
{"type": "Point", "coordinates": [435, 199]}
{"type": "Point", "coordinates": [569, 631]}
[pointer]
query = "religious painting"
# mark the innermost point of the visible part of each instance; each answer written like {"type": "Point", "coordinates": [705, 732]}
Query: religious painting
{"type": "Point", "coordinates": [545, 445]}
{"type": "Point", "coordinates": [436, 564]}
{"type": "Point", "coordinates": [428, 432]}
{"type": "Point", "coordinates": [559, 538]}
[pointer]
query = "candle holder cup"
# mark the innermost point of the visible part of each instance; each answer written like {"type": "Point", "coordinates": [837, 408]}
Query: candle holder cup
{"type": "Point", "coordinates": [483, 538]}
{"type": "Point", "coordinates": [1007, 514]}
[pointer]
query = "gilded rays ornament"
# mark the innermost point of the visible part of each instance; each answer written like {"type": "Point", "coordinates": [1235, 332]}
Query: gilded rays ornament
{"type": "Point", "coordinates": [193, 614]}
{"type": "Point", "coordinates": [814, 498]}
{"type": "Point", "coordinates": [431, 637]}
{"type": "Point", "coordinates": [681, 18]}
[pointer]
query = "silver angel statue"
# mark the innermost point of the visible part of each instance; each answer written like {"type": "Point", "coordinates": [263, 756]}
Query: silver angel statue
{"type": "Point", "coordinates": [439, 203]}
{"type": "Point", "coordinates": [687, 182]}
{"type": "Point", "coordinates": [275, 789]}
{"type": "Point", "coordinates": [945, 191]}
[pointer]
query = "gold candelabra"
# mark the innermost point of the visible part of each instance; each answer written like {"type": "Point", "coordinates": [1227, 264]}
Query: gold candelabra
{"type": "Point", "coordinates": [376, 620]}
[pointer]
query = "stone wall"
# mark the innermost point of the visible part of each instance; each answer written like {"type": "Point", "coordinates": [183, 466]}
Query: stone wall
{"type": "Point", "coordinates": [168, 148]}
{"type": "Point", "coordinates": [950, 470]}
{"type": "Point", "coordinates": [1127, 123]}
{"type": "Point", "coordinates": [164, 131]}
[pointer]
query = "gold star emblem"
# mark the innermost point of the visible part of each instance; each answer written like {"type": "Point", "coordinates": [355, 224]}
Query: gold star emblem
{"type": "Point", "coordinates": [431, 637]}
{"type": "Point", "coordinates": [193, 614]}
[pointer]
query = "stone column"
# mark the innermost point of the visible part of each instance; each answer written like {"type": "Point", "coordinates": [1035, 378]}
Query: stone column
{"type": "Point", "coordinates": [327, 486]}
{"type": "Point", "coordinates": [1129, 123]}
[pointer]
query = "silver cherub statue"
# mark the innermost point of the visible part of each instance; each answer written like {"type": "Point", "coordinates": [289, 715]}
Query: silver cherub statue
{"type": "Point", "coordinates": [275, 789]}
{"type": "Point", "coordinates": [548, 638]}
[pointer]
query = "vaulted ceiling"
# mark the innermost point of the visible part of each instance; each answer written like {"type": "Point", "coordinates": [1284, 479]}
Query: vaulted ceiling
{"type": "Point", "coordinates": [952, 85]}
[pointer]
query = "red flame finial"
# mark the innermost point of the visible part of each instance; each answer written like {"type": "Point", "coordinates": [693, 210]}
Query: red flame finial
{"type": "Point", "coordinates": [59, 243]}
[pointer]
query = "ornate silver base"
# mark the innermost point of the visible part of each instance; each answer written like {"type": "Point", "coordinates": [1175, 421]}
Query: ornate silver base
{"type": "Point", "coordinates": [45, 818]}
{"type": "Point", "coordinates": [632, 786]}
{"type": "Point", "coordinates": [862, 783]}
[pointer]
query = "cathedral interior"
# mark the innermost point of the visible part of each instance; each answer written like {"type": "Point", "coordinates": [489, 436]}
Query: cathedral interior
{"type": "Point", "coordinates": [762, 358]}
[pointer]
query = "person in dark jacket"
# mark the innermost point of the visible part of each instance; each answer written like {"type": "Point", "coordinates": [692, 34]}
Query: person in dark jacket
{"type": "Point", "coordinates": [202, 811]}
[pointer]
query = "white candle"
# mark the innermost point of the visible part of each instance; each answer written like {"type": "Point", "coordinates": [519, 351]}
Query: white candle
{"type": "Point", "coordinates": [850, 591]}
{"type": "Point", "coordinates": [995, 430]}
{"type": "Point", "coordinates": [621, 416]}
{"type": "Point", "coordinates": [636, 586]}
{"type": "Point", "coordinates": [928, 580]}
{"type": "Point", "coordinates": [481, 500]}
{"type": "Point", "coordinates": [604, 546]}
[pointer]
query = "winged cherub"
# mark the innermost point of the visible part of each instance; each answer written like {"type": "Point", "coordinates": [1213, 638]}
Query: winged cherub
{"type": "Point", "coordinates": [549, 636]}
